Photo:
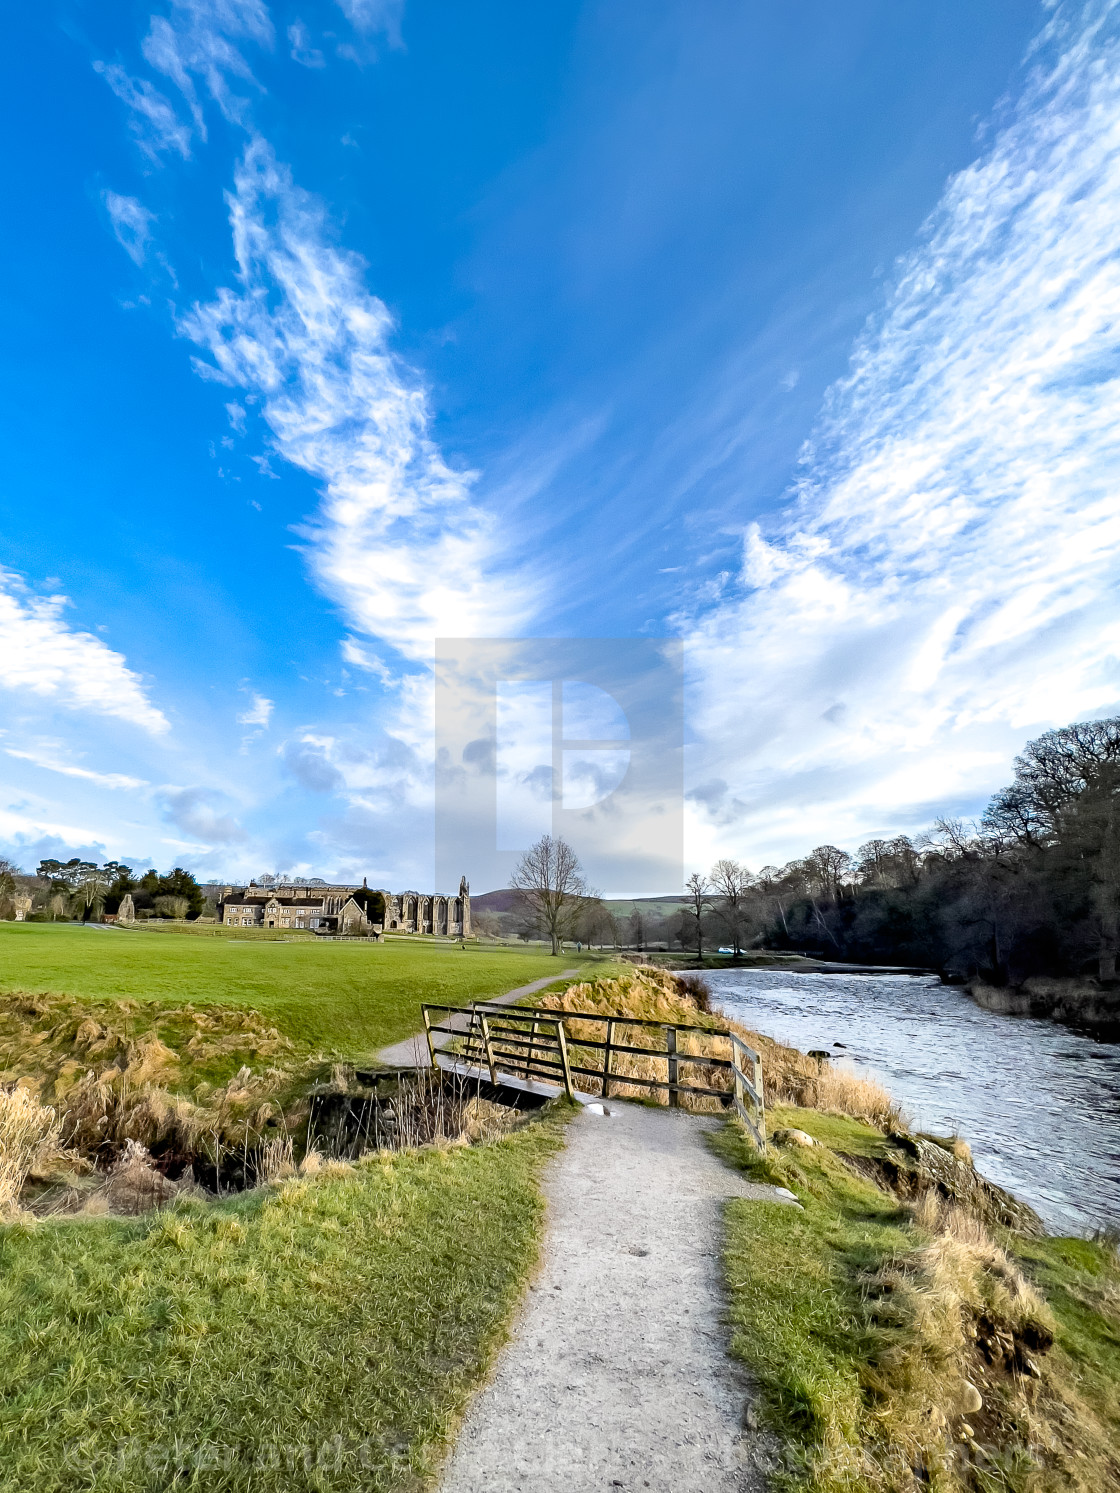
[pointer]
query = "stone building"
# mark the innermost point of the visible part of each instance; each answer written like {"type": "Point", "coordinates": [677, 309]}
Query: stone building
{"type": "Point", "coordinates": [422, 912]}
{"type": "Point", "coordinates": [358, 911]}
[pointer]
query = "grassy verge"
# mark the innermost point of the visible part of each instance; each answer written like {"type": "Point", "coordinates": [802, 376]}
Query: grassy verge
{"type": "Point", "coordinates": [322, 995]}
{"type": "Point", "coordinates": [319, 1334]}
{"type": "Point", "coordinates": [874, 1328]}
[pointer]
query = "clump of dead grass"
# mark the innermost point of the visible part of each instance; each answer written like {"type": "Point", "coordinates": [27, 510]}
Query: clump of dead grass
{"type": "Point", "coordinates": [135, 1185]}
{"type": "Point", "coordinates": [961, 1336]}
{"type": "Point", "coordinates": [30, 1140]}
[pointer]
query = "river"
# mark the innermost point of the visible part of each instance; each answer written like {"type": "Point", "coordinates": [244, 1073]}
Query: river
{"type": "Point", "coordinates": [1038, 1103]}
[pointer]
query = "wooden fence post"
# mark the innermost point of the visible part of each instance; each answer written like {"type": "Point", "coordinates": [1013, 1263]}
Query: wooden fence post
{"type": "Point", "coordinates": [562, 1043]}
{"type": "Point", "coordinates": [428, 1034]}
{"type": "Point", "coordinates": [607, 1059]}
{"type": "Point", "coordinates": [489, 1049]}
{"type": "Point", "coordinates": [756, 1079]}
{"type": "Point", "coordinates": [671, 1049]}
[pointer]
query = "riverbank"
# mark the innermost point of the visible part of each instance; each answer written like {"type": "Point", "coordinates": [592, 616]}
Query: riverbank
{"type": "Point", "coordinates": [1037, 1100]}
{"type": "Point", "coordinates": [1082, 1004]}
{"type": "Point", "coordinates": [902, 1342]}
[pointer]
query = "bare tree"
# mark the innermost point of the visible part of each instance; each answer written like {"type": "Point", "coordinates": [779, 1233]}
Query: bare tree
{"type": "Point", "coordinates": [826, 867]}
{"type": "Point", "coordinates": [732, 883]}
{"type": "Point", "coordinates": [552, 886]}
{"type": "Point", "coordinates": [699, 891]}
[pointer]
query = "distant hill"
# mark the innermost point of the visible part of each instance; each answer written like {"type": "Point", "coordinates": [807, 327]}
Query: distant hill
{"type": "Point", "coordinates": [506, 900]}
{"type": "Point", "coordinates": [503, 900]}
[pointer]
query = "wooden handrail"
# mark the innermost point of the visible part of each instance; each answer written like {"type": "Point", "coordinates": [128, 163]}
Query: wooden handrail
{"type": "Point", "coordinates": [519, 1041]}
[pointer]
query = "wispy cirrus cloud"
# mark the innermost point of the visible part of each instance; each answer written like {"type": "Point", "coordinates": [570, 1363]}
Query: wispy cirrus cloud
{"type": "Point", "coordinates": [41, 656]}
{"type": "Point", "coordinates": [396, 541]}
{"type": "Point", "coordinates": [200, 40]}
{"type": "Point", "coordinates": [197, 43]}
{"type": "Point", "coordinates": [153, 120]}
{"type": "Point", "coordinates": [373, 16]}
{"type": "Point", "coordinates": [50, 761]}
{"type": "Point", "coordinates": [946, 574]}
{"type": "Point", "coordinates": [132, 224]}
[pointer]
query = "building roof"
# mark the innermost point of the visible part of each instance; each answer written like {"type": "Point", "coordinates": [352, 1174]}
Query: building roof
{"type": "Point", "coordinates": [280, 901]}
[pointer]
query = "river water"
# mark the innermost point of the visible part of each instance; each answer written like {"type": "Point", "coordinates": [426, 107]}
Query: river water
{"type": "Point", "coordinates": [1038, 1103]}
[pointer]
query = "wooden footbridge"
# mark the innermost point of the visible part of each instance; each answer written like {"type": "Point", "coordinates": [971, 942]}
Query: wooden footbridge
{"type": "Point", "coordinates": [540, 1053]}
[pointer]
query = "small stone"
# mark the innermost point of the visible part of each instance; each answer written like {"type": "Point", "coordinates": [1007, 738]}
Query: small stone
{"type": "Point", "coordinates": [971, 1399]}
{"type": "Point", "coordinates": [794, 1138]}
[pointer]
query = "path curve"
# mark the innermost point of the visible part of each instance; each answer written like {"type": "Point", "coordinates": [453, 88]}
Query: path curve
{"type": "Point", "coordinates": [413, 1051]}
{"type": "Point", "coordinates": [617, 1375]}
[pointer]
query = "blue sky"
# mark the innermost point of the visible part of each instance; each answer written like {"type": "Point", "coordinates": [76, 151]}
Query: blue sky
{"type": "Point", "coordinates": [328, 328]}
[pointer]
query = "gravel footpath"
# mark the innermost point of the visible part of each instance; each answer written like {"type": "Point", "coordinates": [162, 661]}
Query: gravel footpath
{"type": "Point", "coordinates": [413, 1051]}
{"type": "Point", "coordinates": [616, 1375]}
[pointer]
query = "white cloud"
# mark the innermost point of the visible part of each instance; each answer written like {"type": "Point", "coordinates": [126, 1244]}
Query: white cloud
{"type": "Point", "coordinates": [131, 222]}
{"type": "Point", "coordinates": [258, 714]}
{"type": "Point", "coordinates": [40, 655]}
{"type": "Point", "coordinates": [302, 50]}
{"type": "Point", "coordinates": [396, 541]}
{"type": "Point", "coordinates": [945, 578]}
{"type": "Point", "coordinates": [50, 763]}
{"type": "Point", "coordinates": [309, 761]}
{"type": "Point", "coordinates": [198, 40]}
{"type": "Point", "coordinates": [372, 16]}
{"type": "Point", "coordinates": [154, 121]}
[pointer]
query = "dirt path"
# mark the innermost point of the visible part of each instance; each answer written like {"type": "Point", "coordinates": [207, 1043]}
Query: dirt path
{"type": "Point", "coordinates": [413, 1051]}
{"type": "Point", "coordinates": [617, 1375]}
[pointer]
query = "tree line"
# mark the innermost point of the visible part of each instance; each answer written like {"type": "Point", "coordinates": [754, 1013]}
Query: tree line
{"type": "Point", "coordinates": [1032, 888]}
{"type": "Point", "coordinates": [83, 891]}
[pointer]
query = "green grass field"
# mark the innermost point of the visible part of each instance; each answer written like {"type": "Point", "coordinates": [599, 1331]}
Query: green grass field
{"type": "Point", "coordinates": [350, 999]}
{"type": "Point", "coordinates": [322, 1334]}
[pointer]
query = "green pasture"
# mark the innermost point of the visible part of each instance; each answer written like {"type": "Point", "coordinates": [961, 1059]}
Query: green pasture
{"type": "Point", "coordinates": [323, 1334]}
{"type": "Point", "coordinates": [346, 998]}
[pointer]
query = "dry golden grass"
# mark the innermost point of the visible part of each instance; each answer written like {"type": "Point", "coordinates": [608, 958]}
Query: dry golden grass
{"type": "Point", "coordinates": [30, 1139]}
